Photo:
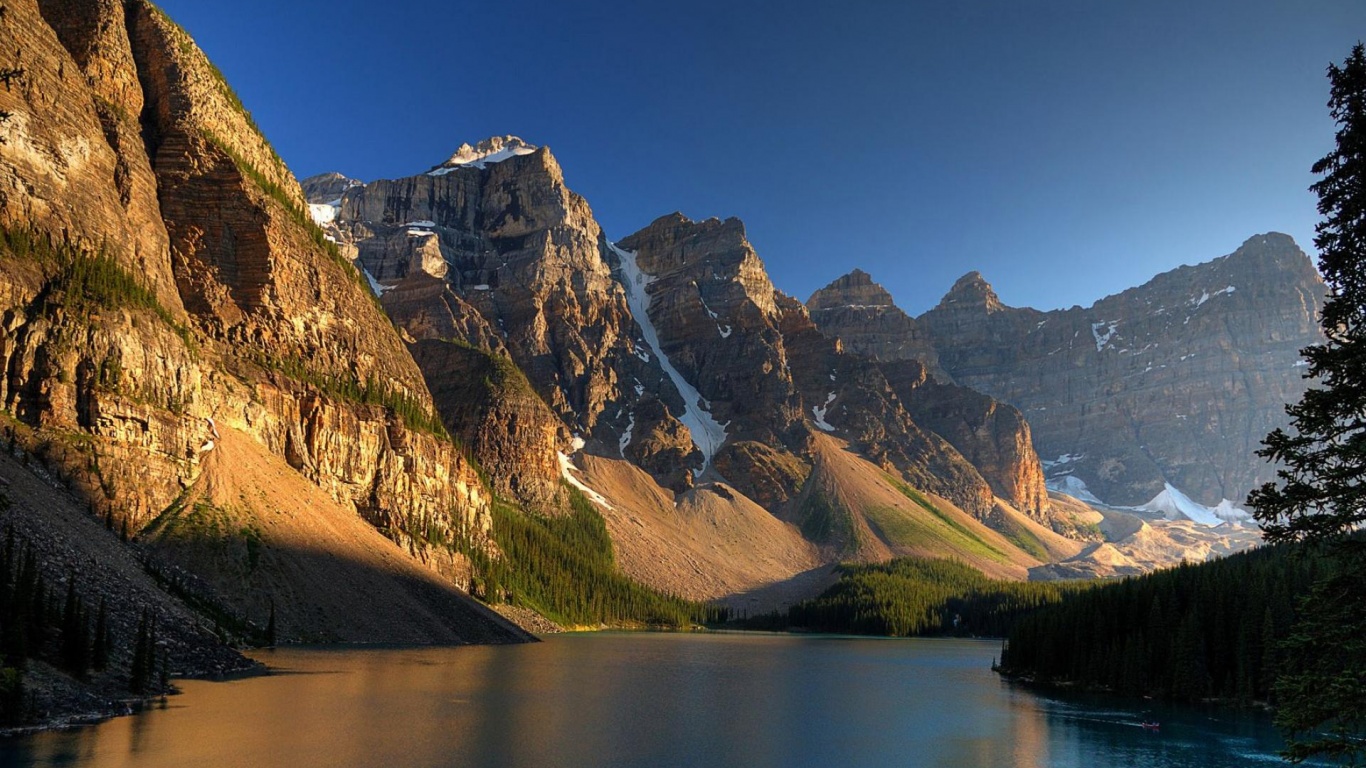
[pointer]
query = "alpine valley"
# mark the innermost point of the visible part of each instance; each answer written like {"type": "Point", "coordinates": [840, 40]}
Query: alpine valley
{"type": "Point", "coordinates": [240, 408]}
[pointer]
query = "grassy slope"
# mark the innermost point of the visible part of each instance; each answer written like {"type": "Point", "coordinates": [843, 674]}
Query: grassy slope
{"type": "Point", "coordinates": [903, 522]}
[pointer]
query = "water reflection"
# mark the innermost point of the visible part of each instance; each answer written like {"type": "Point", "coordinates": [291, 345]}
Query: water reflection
{"type": "Point", "coordinates": [645, 700]}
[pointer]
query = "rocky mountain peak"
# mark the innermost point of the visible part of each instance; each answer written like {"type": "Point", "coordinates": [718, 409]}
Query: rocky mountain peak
{"type": "Point", "coordinates": [674, 227]}
{"type": "Point", "coordinates": [328, 187]}
{"type": "Point", "coordinates": [714, 253]}
{"type": "Point", "coordinates": [855, 289]}
{"type": "Point", "coordinates": [863, 316]}
{"type": "Point", "coordinates": [1170, 383]}
{"type": "Point", "coordinates": [1278, 241]}
{"type": "Point", "coordinates": [972, 291]}
{"type": "Point", "coordinates": [1271, 252]}
{"type": "Point", "coordinates": [494, 149]}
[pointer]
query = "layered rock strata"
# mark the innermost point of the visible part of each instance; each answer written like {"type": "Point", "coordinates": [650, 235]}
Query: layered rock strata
{"type": "Point", "coordinates": [1174, 382]}
{"type": "Point", "coordinates": [162, 281]}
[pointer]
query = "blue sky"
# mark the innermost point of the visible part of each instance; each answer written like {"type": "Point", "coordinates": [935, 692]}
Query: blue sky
{"type": "Point", "coordinates": [1067, 149]}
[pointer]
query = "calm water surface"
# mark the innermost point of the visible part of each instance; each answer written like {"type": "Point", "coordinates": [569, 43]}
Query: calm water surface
{"type": "Point", "coordinates": [647, 700]}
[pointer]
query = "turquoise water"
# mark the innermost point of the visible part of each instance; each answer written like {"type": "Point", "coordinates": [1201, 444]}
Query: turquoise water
{"type": "Point", "coordinates": [644, 699]}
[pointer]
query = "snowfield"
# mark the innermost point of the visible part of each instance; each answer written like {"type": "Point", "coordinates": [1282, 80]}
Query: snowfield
{"type": "Point", "coordinates": [707, 434]}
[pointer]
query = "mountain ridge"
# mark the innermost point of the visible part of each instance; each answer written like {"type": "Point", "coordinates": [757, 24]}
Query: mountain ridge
{"type": "Point", "coordinates": [1014, 354]}
{"type": "Point", "coordinates": [707, 337]}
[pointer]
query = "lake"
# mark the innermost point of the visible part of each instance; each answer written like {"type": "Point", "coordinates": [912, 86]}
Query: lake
{"type": "Point", "coordinates": [648, 699]}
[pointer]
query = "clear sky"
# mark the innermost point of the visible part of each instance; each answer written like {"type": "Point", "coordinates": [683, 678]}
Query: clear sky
{"type": "Point", "coordinates": [1067, 149]}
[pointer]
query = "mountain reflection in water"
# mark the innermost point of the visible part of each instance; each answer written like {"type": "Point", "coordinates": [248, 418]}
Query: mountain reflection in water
{"type": "Point", "coordinates": [644, 699]}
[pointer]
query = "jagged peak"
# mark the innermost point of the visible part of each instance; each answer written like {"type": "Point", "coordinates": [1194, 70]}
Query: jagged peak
{"type": "Point", "coordinates": [855, 289]}
{"type": "Point", "coordinates": [494, 149]}
{"type": "Point", "coordinates": [328, 176]}
{"type": "Point", "coordinates": [328, 188]}
{"type": "Point", "coordinates": [676, 226]}
{"type": "Point", "coordinates": [972, 290]}
{"type": "Point", "coordinates": [856, 277]}
{"type": "Point", "coordinates": [679, 219]}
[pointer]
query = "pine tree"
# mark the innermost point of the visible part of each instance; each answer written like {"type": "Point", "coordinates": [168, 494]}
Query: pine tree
{"type": "Point", "coordinates": [100, 654]}
{"type": "Point", "coordinates": [141, 667]}
{"type": "Point", "coordinates": [1321, 495]}
{"type": "Point", "coordinates": [75, 633]}
{"type": "Point", "coordinates": [37, 624]}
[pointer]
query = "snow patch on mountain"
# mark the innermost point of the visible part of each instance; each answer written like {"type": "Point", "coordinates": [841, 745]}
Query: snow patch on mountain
{"type": "Point", "coordinates": [1103, 339]}
{"type": "Point", "coordinates": [567, 470]}
{"type": "Point", "coordinates": [1066, 458]}
{"type": "Point", "coordinates": [1172, 504]}
{"type": "Point", "coordinates": [1073, 486]}
{"type": "Point", "coordinates": [375, 285]}
{"type": "Point", "coordinates": [625, 439]}
{"type": "Point", "coordinates": [723, 330]}
{"type": "Point", "coordinates": [819, 412]}
{"type": "Point", "coordinates": [482, 154]}
{"type": "Point", "coordinates": [1206, 296]}
{"type": "Point", "coordinates": [707, 434]}
{"type": "Point", "coordinates": [324, 213]}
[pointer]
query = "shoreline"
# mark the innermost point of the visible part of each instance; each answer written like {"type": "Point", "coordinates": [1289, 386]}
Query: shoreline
{"type": "Point", "coordinates": [1070, 687]}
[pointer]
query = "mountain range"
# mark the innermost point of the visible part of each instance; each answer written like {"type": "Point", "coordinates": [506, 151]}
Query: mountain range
{"type": "Point", "coordinates": [296, 397]}
{"type": "Point", "coordinates": [682, 361]}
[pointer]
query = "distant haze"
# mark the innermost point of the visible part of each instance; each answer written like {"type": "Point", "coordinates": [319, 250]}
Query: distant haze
{"type": "Point", "coordinates": [1066, 149]}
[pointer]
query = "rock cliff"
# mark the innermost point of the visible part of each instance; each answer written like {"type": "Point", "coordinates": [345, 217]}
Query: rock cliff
{"type": "Point", "coordinates": [993, 437]}
{"type": "Point", "coordinates": [765, 375]}
{"type": "Point", "coordinates": [162, 283]}
{"type": "Point", "coordinates": [256, 377]}
{"type": "Point", "coordinates": [1173, 383]}
{"type": "Point", "coordinates": [670, 348]}
{"type": "Point", "coordinates": [863, 316]}
{"type": "Point", "coordinates": [493, 249]}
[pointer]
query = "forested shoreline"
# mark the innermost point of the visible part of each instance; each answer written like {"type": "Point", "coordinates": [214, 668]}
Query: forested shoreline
{"type": "Point", "coordinates": [916, 597]}
{"type": "Point", "coordinates": [1204, 631]}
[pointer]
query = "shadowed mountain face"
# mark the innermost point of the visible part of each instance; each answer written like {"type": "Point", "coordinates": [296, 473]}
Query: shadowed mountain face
{"type": "Point", "coordinates": [862, 315]}
{"type": "Point", "coordinates": [1173, 382]}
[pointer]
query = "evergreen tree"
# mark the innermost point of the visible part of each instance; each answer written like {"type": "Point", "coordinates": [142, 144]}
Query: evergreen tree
{"type": "Point", "coordinates": [140, 670]}
{"type": "Point", "coordinates": [37, 609]}
{"type": "Point", "coordinates": [1167, 634]}
{"type": "Point", "coordinates": [75, 656]}
{"type": "Point", "coordinates": [1321, 494]}
{"type": "Point", "coordinates": [13, 696]}
{"type": "Point", "coordinates": [100, 652]}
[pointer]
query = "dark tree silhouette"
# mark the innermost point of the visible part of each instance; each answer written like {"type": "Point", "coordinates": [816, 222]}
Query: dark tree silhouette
{"type": "Point", "coordinates": [1321, 493]}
